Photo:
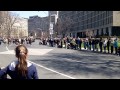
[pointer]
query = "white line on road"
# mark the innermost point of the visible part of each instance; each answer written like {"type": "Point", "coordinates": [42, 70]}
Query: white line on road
{"type": "Point", "coordinates": [49, 68]}
{"type": "Point", "coordinates": [52, 70]}
{"type": "Point", "coordinates": [7, 48]}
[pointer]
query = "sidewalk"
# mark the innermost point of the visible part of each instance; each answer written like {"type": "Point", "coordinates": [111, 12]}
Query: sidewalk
{"type": "Point", "coordinates": [87, 50]}
{"type": "Point", "coordinates": [98, 51]}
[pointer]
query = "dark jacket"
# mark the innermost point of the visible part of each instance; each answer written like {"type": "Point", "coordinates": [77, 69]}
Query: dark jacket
{"type": "Point", "coordinates": [10, 70]}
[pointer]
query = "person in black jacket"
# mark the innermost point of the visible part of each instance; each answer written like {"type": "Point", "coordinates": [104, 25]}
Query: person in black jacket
{"type": "Point", "coordinates": [100, 45]}
{"type": "Point", "coordinates": [89, 44]}
{"type": "Point", "coordinates": [80, 44]}
{"type": "Point", "coordinates": [108, 45]}
{"type": "Point", "coordinates": [93, 44]}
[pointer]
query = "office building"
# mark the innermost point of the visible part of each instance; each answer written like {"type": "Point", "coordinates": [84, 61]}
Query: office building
{"type": "Point", "coordinates": [92, 23]}
{"type": "Point", "coordinates": [38, 25]}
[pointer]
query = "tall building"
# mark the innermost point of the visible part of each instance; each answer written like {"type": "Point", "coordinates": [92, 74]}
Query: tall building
{"type": "Point", "coordinates": [20, 28]}
{"type": "Point", "coordinates": [92, 23]}
{"type": "Point", "coordinates": [38, 25]}
{"type": "Point", "coordinates": [53, 13]}
{"type": "Point", "coordinates": [12, 25]}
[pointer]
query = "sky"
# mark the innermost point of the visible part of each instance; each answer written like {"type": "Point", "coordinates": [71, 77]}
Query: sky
{"type": "Point", "coordinates": [26, 14]}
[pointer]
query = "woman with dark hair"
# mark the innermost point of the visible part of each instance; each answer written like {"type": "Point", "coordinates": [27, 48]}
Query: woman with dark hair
{"type": "Point", "coordinates": [21, 69]}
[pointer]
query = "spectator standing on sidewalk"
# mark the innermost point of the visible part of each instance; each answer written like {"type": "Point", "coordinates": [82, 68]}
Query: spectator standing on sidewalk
{"type": "Point", "coordinates": [93, 44]}
{"type": "Point", "coordinates": [116, 46]}
{"type": "Point", "coordinates": [84, 43]}
{"type": "Point", "coordinates": [101, 44]}
{"type": "Point", "coordinates": [105, 45]}
{"type": "Point", "coordinates": [108, 45]}
{"type": "Point", "coordinates": [0, 41]}
{"type": "Point", "coordinates": [80, 44]}
{"type": "Point", "coordinates": [118, 51]}
{"type": "Point", "coordinates": [111, 45]}
{"type": "Point", "coordinates": [90, 44]}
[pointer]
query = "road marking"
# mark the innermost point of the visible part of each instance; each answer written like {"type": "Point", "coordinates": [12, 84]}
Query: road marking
{"type": "Point", "coordinates": [38, 51]}
{"type": "Point", "coordinates": [31, 51]}
{"type": "Point", "coordinates": [52, 70]}
{"type": "Point", "coordinates": [48, 68]}
{"type": "Point", "coordinates": [7, 48]}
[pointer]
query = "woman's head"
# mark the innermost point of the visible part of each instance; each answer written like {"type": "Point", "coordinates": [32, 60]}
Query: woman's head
{"type": "Point", "coordinates": [21, 53]}
{"type": "Point", "coordinates": [21, 50]}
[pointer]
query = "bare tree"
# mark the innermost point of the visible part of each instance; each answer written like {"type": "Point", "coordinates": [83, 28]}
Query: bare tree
{"type": "Point", "coordinates": [10, 19]}
{"type": "Point", "coordinates": [1, 18]}
{"type": "Point", "coordinates": [58, 26]}
{"type": "Point", "coordinates": [67, 24]}
{"type": "Point", "coordinates": [2, 21]}
{"type": "Point", "coordinates": [64, 26]}
{"type": "Point", "coordinates": [89, 33]}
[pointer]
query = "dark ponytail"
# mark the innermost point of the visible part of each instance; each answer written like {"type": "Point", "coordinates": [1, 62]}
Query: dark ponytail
{"type": "Point", "coordinates": [21, 54]}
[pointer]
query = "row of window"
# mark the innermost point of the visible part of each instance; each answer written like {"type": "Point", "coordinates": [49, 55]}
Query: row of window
{"type": "Point", "coordinates": [98, 30]}
{"type": "Point", "coordinates": [102, 21]}
{"type": "Point", "coordinates": [79, 26]}
{"type": "Point", "coordinates": [94, 18]}
{"type": "Point", "coordinates": [88, 19]}
{"type": "Point", "coordinates": [106, 19]}
{"type": "Point", "coordinates": [86, 25]}
{"type": "Point", "coordinates": [93, 13]}
{"type": "Point", "coordinates": [85, 13]}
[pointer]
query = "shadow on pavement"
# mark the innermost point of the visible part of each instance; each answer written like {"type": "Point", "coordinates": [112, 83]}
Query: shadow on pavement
{"type": "Point", "coordinates": [83, 65]}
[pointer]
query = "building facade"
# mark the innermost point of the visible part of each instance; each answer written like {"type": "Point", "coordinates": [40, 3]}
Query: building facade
{"type": "Point", "coordinates": [92, 23]}
{"type": "Point", "coordinates": [38, 26]}
{"type": "Point", "coordinates": [12, 25]}
{"type": "Point", "coordinates": [20, 28]}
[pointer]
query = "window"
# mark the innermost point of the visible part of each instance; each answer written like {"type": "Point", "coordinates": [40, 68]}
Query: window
{"type": "Point", "coordinates": [85, 22]}
{"type": "Point", "coordinates": [97, 23]}
{"type": "Point", "coordinates": [111, 20]}
{"type": "Point", "coordinates": [103, 21]}
{"type": "Point", "coordinates": [108, 21]}
{"type": "Point", "coordinates": [85, 26]}
{"type": "Point", "coordinates": [89, 26]}
{"type": "Point", "coordinates": [82, 27]}
{"type": "Point", "coordinates": [92, 25]}
{"type": "Point", "coordinates": [100, 16]}
{"type": "Point", "coordinates": [89, 21]}
{"type": "Point", "coordinates": [100, 23]}
{"type": "Point", "coordinates": [85, 17]}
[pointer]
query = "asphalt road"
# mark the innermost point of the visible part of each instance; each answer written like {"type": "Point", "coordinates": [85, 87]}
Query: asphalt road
{"type": "Point", "coordinates": [56, 63]}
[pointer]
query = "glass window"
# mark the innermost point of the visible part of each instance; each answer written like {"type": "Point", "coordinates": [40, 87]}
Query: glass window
{"type": "Point", "coordinates": [100, 23]}
{"type": "Point", "coordinates": [111, 20]}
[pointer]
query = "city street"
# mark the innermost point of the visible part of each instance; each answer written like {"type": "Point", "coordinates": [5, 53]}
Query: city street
{"type": "Point", "coordinates": [59, 63]}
